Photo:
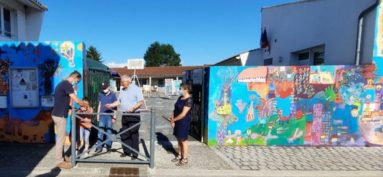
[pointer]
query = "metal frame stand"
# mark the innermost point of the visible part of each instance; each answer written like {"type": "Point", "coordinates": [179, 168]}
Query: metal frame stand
{"type": "Point", "coordinates": [113, 137]}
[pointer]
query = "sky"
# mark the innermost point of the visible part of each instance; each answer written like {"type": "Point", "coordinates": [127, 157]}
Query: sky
{"type": "Point", "coordinates": [201, 31]}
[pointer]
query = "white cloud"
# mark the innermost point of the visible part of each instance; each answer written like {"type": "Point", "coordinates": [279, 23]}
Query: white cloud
{"type": "Point", "coordinates": [116, 65]}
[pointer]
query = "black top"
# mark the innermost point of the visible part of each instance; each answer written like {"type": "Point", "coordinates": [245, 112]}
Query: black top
{"type": "Point", "coordinates": [181, 129]}
{"type": "Point", "coordinates": [179, 106]}
{"type": "Point", "coordinates": [62, 100]}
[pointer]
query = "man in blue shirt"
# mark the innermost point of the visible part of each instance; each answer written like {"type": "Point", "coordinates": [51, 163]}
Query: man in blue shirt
{"type": "Point", "coordinates": [130, 100]}
{"type": "Point", "coordinates": [106, 96]}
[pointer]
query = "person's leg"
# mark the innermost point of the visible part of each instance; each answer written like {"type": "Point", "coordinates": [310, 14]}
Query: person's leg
{"type": "Point", "coordinates": [185, 149]}
{"type": "Point", "coordinates": [125, 136]}
{"type": "Point", "coordinates": [185, 154]}
{"type": "Point", "coordinates": [100, 138]}
{"type": "Point", "coordinates": [180, 151]}
{"type": "Point", "coordinates": [109, 127]}
{"type": "Point", "coordinates": [86, 138]}
{"type": "Point", "coordinates": [135, 136]}
{"type": "Point", "coordinates": [60, 123]}
{"type": "Point", "coordinates": [82, 134]}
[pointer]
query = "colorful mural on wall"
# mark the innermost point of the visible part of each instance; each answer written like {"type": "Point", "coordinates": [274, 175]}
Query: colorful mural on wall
{"type": "Point", "coordinates": [295, 105]}
{"type": "Point", "coordinates": [53, 61]}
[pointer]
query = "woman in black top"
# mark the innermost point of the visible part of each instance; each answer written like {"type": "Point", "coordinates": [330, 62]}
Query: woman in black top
{"type": "Point", "coordinates": [180, 121]}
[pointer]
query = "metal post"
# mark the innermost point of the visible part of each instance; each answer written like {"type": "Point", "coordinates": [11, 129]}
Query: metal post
{"type": "Point", "coordinates": [73, 143]}
{"type": "Point", "coordinates": [152, 129]}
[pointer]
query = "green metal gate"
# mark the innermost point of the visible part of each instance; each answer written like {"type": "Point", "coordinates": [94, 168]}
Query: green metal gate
{"type": "Point", "coordinates": [95, 74]}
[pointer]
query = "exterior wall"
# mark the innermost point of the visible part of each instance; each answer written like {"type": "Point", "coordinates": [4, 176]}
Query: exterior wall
{"type": "Point", "coordinates": [255, 58]}
{"type": "Point", "coordinates": [295, 105]}
{"type": "Point", "coordinates": [334, 24]}
{"type": "Point", "coordinates": [368, 38]}
{"type": "Point", "coordinates": [26, 24]}
{"type": "Point", "coordinates": [33, 25]}
{"type": "Point", "coordinates": [54, 61]}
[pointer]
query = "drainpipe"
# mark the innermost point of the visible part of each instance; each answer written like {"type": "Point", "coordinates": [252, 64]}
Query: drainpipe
{"type": "Point", "coordinates": [360, 30]}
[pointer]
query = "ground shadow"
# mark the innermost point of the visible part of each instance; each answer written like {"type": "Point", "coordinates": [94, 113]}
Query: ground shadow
{"type": "Point", "coordinates": [165, 143]}
{"type": "Point", "coordinates": [20, 159]}
{"type": "Point", "coordinates": [54, 172]}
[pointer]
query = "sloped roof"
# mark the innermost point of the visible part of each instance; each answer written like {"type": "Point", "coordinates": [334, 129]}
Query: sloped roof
{"type": "Point", "coordinates": [92, 64]}
{"type": "Point", "coordinates": [35, 4]}
{"type": "Point", "coordinates": [288, 4]}
{"type": "Point", "coordinates": [166, 71]}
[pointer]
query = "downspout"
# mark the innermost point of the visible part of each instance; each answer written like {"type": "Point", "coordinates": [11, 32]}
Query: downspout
{"type": "Point", "coordinates": [360, 30]}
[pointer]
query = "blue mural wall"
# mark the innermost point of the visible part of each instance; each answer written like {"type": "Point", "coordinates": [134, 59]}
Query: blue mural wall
{"type": "Point", "coordinates": [53, 62]}
{"type": "Point", "coordinates": [295, 105]}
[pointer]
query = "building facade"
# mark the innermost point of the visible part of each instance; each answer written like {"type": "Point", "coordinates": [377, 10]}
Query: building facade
{"type": "Point", "coordinates": [315, 32]}
{"type": "Point", "coordinates": [21, 20]}
{"type": "Point", "coordinates": [155, 76]}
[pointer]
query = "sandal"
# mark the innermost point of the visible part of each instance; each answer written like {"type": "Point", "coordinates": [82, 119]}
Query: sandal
{"type": "Point", "coordinates": [177, 159]}
{"type": "Point", "coordinates": [182, 162]}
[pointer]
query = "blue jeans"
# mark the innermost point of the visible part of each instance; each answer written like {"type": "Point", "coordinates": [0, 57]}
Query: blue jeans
{"type": "Point", "coordinates": [105, 123]}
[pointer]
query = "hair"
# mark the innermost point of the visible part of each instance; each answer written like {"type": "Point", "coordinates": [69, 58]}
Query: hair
{"type": "Point", "coordinates": [86, 99]}
{"type": "Point", "coordinates": [75, 74]}
{"type": "Point", "coordinates": [126, 77]}
{"type": "Point", "coordinates": [187, 86]}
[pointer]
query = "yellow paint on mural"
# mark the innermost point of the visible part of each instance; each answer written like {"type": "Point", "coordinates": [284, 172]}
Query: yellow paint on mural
{"type": "Point", "coordinates": [80, 47]}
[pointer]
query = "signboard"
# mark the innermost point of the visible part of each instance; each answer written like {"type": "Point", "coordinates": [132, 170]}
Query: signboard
{"type": "Point", "coordinates": [24, 88]}
{"type": "Point", "coordinates": [136, 63]}
{"type": "Point", "coordinates": [168, 87]}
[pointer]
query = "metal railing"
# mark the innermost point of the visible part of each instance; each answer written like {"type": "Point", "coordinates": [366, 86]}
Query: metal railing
{"type": "Point", "coordinates": [149, 157]}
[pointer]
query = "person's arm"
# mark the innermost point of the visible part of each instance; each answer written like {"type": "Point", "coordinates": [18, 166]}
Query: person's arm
{"type": "Point", "coordinates": [185, 110]}
{"type": "Point", "coordinates": [76, 99]}
{"type": "Point", "coordinates": [137, 106]}
{"type": "Point", "coordinates": [113, 105]}
{"type": "Point", "coordinates": [140, 102]}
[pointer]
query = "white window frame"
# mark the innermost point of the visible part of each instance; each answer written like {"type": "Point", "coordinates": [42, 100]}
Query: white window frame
{"type": "Point", "coordinates": [2, 21]}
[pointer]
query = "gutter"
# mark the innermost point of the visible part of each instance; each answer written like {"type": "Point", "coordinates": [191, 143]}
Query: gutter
{"type": "Point", "coordinates": [360, 30]}
{"type": "Point", "coordinates": [38, 5]}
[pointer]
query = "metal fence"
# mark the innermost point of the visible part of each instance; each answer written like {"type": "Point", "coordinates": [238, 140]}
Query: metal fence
{"type": "Point", "coordinates": [148, 156]}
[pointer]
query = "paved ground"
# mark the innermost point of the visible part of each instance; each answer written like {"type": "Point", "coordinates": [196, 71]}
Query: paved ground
{"type": "Point", "coordinates": [304, 158]}
{"type": "Point", "coordinates": [38, 159]}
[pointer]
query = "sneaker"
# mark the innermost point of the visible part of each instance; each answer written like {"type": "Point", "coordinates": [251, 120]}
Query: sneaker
{"type": "Point", "coordinates": [85, 155]}
{"type": "Point", "coordinates": [65, 165]}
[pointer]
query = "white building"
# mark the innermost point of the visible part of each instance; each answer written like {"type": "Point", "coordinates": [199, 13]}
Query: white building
{"type": "Point", "coordinates": [21, 20]}
{"type": "Point", "coordinates": [314, 32]}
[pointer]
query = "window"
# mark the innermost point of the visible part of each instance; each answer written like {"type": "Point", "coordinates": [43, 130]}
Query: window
{"type": "Point", "coordinates": [304, 56]}
{"type": "Point", "coordinates": [318, 58]}
{"type": "Point", "coordinates": [311, 56]}
{"type": "Point", "coordinates": [161, 82]}
{"type": "Point", "coordinates": [268, 62]}
{"type": "Point", "coordinates": [7, 22]}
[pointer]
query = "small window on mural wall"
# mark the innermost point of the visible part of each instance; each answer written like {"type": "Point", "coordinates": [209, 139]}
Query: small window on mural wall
{"type": "Point", "coordinates": [24, 87]}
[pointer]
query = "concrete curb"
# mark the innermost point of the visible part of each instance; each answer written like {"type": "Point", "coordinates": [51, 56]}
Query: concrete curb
{"type": "Point", "coordinates": [263, 173]}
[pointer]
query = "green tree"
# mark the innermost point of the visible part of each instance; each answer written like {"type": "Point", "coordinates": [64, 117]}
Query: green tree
{"type": "Point", "coordinates": [94, 54]}
{"type": "Point", "coordinates": [161, 55]}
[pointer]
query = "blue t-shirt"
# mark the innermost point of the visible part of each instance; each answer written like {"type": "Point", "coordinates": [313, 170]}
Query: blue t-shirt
{"type": "Point", "coordinates": [129, 97]}
{"type": "Point", "coordinates": [106, 99]}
